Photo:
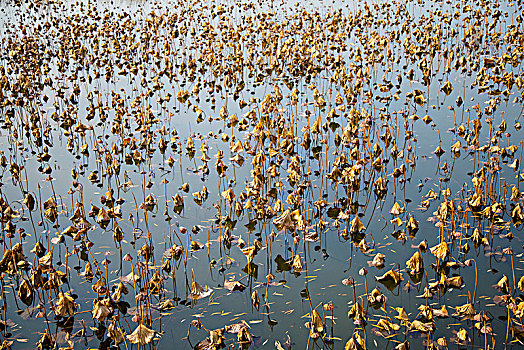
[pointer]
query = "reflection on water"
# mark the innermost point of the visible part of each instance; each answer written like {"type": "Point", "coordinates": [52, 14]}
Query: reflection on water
{"type": "Point", "coordinates": [261, 175]}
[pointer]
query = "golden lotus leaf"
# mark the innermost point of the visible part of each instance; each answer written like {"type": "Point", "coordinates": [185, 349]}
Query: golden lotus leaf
{"type": "Point", "coordinates": [141, 335]}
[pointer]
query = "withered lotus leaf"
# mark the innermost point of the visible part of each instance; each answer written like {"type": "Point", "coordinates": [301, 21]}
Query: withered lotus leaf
{"type": "Point", "coordinates": [447, 88]}
{"type": "Point", "coordinates": [102, 308]}
{"type": "Point", "coordinates": [387, 326]}
{"type": "Point", "coordinates": [304, 120]}
{"type": "Point", "coordinates": [141, 335]}
{"type": "Point", "coordinates": [199, 292]}
{"type": "Point", "coordinates": [234, 286]}
{"type": "Point", "coordinates": [423, 327]}
{"type": "Point", "coordinates": [356, 342]}
{"type": "Point", "coordinates": [456, 282]}
{"type": "Point", "coordinates": [357, 313]}
{"type": "Point", "coordinates": [503, 284]}
{"type": "Point", "coordinates": [520, 284]}
{"type": "Point", "coordinates": [297, 263]}
{"type": "Point", "coordinates": [115, 333]}
{"type": "Point", "coordinates": [441, 250]}
{"type": "Point", "coordinates": [244, 338]}
{"type": "Point", "coordinates": [46, 341]}
{"type": "Point", "coordinates": [402, 314]}
{"type": "Point", "coordinates": [442, 312]}
{"type": "Point", "coordinates": [397, 209]}
{"type": "Point", "coordinates": [390, 279]}
{"type": "Point", "coordinates": [378, 260]}
{"type": "Point", "coordinates": [65, 306]}
{"type": "Point", "coordinates": [462, 335]}
{"type": "Point", "coordinates": [376, 298]}
{"type": "Point", "coordinates": [415, 263]}
{"type": "Point", "coordinates": [467, 311]}
{"type": "Point", "coordinates": [357, 225]}
{"type": "Point", "coordinates": [255, 301]}
{"type": "Point", "coordinates": [316, 325]}
{"type": "Point", "coordinates": [215, 341]}
{"type": "Point", "coordinates": [25, 292]}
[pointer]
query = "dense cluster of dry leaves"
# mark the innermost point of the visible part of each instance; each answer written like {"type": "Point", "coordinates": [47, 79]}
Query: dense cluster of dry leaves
{"type": "Point", "coordinates": [319, 117]}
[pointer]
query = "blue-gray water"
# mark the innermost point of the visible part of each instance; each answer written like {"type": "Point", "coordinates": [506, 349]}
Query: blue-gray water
{"type": "Point", "coordinates": [311, 32]}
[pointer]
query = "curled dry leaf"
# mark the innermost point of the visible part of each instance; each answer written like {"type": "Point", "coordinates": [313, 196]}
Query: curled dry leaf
{"type": "Point", "coordinates": [423, 327]}
{"type": "Point", "coordinates": [441, 250]}
{"type": "Point", "coordinates": [415, 263]}
{"type": "Point", "coordinates": [234, 286]}
{"type": "Point", "coordinates": [141, 335]}
{"type": "Point", "coordinates": [390, 279]}
{"type": "Point", "coordinates": [65, 306]}
{"type": "Point", "coordinates": [199, 292]}
{"type": "Point", "coordinates": [378, 261]}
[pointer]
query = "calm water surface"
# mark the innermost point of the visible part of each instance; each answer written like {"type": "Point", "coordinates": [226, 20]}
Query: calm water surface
{"type": "Point", "coordinates": [328, 255]}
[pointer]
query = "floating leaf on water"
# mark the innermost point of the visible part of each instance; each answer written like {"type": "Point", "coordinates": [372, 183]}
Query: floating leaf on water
{"type": "Point", "coordinates": [466, 311]}
{"type": "Point", "coordinates": [213, 342]}
{"type": "Point", "coordinates": [423, 327]}
{"type": "Point", "coordinates": [282, 265]}
{"type": "Point", "coordinates": [234, 286]}
{"type": "Point", "coordinates": [390, 279]}
{"type": "Point", "coordinates": [199, 292]}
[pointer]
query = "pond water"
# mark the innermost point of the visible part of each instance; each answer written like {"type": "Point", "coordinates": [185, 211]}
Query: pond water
{"type": "Point", "coordinates": [203, 175]}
